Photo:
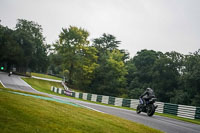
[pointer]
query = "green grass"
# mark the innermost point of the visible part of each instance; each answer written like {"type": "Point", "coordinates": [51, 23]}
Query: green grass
{"type": "Point", "coordinates": [44, 86]}
{"type": "Point", "coordinates": [27, 114]}
{"type": "Point", "coordinates": [45, 76]}
{"type": "Point", "coordinates": [1, 86]}
{"type": "Point", "coordinates": [196, 121]}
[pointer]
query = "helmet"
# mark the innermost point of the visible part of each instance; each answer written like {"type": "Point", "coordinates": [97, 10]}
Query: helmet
{"type": "Point", "coordinates": [148, 89]}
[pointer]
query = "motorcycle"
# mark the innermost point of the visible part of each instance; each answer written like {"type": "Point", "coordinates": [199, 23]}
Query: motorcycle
{"type": "Point", "coordinates": [10, 73]}
{"type": "Point", "coordinates": [150, 107]}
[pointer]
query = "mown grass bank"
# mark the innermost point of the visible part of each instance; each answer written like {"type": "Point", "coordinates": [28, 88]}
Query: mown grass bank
{"type": "Point", "coordinates": [45, 76]}
{"type": "Point", "coordinates": [1, 86]}
{"type": "Point", "coordinates": [27, 114]}
{"type": "Point", "coordinates": [42, 85]}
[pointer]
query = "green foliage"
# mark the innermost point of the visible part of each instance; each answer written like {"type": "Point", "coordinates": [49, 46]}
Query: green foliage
{"type": "Point", "coordinates": [106, 42]}
{"type": "Point", "coordinates": [29, 36]}
{"type": "Point", "coordinates": [55, 66]}
{"type": "Point", "coordinates": [23, 47]}
{"type": "Point", "coordinates": [173, 76]}
{"type": "Point", "coordinates": [10, 50]}
{"type": "Point", "coordinates": [110, 75]}
{"type": "Point", "coordinates": [135, 93]}
{"type": "Point", "coordinates": [191, 78]}
{"type": "Point", "coordinates": [78, 58]}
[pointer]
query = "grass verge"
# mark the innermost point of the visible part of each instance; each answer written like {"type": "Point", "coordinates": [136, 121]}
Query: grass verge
{"type": "Point", "coordinates": [44, 86]}
{"type": "Point", "coordinates": [1, 86]}
{"type": "Point", "coordinates": [196, 121]}
{"type": "Point", "coordinates": [45, 76]}
{"type": "Point", "coordinates": [27, 114]}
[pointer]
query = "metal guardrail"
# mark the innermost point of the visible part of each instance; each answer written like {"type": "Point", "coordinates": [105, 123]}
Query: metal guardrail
{"type": "Point", "coordinates": [184, 111]}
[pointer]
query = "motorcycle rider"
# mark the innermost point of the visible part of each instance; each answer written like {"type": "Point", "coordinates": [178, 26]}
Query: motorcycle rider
{"type": "Point", "coordinates": [147, 95]}
{"type": "Point", "coordinates": [10, 73]}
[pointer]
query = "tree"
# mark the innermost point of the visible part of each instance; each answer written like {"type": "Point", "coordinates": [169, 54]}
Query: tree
{"type": "Point", "coordinates": [79, 59]}
{"type": "Point", "coordinates": [135, 93]}
{"type": "Point", "coordinates": [10, 51]}
{"type": "Point", "coordinates": [191, 78]}
{"type": "Point", "coordinates": [132, 77]}
{"type": "Point", "coordinates": [144, 62]}
{"type": "Point", "coordinates": [29, 35]}
{"type": "Point", "coordinates": [55, 65]}
{"type": "Point", "coordinates": [165, 77]}
{"type": "Point", "coordinates": [110, 75]}
{"type": "Point", "coordinates": [86, 67]}
{"type": "Point", "coordinates": [106, 42]}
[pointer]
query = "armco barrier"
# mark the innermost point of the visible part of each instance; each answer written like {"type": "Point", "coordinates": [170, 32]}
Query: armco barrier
{"type": "Point", "coordinates": [85, 96]}
{"type": "Point", "coordinates": [73, 94]}
{"type": "Point", "coordinates": [94, 98]}
{"type": "Point", "coordinates": [81, 95]}
{"type": "Point", "coordinates": [170, 108]}
{"type": "Point", "coordinates": [89, 97]}
{"type": "Point", "coordinates": [118, 101]}
{"type": "Point", "coordinates": [197, 113]}
{"type": "Point", "coordinates": [57, 90]}
{"type": "Point", "coordinates": [184, 111]}
{"type": "Point", "coordinates": [160, 107]}
{"type": "Point", "coordinates": [105, 99]}
{"type": "Point", "coordinates": [99, 98]}
{"type": "Point", "coordinates": [76, 94]}
{"type": "Point", "coordinates": [126, 102]}
{"type": "Point", "coordinates": [111, 100]}
{"type": "Point", "coordinates": [134, 103]}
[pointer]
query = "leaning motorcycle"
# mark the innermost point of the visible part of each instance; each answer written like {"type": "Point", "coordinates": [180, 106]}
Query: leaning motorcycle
{"type": "Point", "coordinates": [150, 107]}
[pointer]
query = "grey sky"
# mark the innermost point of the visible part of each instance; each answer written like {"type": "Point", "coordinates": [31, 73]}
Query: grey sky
{"type": "Point", "coordinates": [161, 25]}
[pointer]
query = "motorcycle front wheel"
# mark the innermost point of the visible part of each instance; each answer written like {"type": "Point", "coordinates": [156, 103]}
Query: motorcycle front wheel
{"type": "Point", "coordinates": [150, 110]}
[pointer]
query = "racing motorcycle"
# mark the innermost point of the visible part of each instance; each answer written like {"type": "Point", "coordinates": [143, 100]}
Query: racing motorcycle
{"type": "Point", "coordinates": [150, 107]}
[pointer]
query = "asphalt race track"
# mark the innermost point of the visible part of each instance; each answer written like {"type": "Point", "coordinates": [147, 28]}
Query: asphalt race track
{"type": "Point", "coordinates": [162, 123]}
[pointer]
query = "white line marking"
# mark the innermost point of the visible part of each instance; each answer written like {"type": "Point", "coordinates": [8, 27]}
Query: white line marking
{"type": "Point", "coordinates": [28, 85]}
{"type": "Point", "coordinates": [92, 108]}
{"type": "Point", "coordinates": [54, 80]}
{"type": "Point", "coordinates": [2, 84]}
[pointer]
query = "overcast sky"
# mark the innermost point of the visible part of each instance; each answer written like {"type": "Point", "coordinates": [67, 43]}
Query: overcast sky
{"type": "Point", "coordinates": [161, 25]}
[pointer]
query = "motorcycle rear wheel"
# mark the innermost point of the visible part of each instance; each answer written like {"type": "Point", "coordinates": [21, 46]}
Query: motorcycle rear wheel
{"type": "Point", "coordinates": [138, 110]}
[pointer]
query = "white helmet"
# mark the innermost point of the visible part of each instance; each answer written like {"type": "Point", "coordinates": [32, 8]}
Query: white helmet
{"type": "Point", "coordinates": [148, 89]}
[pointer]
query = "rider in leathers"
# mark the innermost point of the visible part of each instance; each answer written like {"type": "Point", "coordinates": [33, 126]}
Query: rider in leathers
{"type": "Point", "coordinates": [147, 95]}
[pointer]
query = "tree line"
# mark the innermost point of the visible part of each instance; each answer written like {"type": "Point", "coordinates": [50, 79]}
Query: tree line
{"type": "Point", "coordinates": [23, 47]}
{"type": "Point", "coordinates": [100, 67]}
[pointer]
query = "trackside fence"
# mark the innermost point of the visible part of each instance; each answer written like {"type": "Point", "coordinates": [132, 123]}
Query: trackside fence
{"type": "Point", "coordinates": [184, 111]}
